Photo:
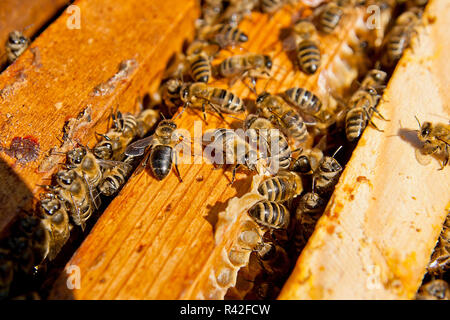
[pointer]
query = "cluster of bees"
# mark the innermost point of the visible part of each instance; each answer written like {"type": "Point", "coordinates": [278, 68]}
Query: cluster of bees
{"type": "Point", "coordinates": [284, 121]}
{"type": "Point", "coordinates": [86, 175]}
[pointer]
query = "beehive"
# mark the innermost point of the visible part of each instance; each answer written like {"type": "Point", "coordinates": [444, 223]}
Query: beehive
{"type": "Point", "coordinates": [156, 240]}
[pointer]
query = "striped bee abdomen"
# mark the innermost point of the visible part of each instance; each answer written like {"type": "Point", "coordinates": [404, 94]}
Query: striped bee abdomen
{"type": "Point", "coordinates": [161, 159]}
{"type": "Point", "coordinates": [330, 17]}
{"type": "Point", "coordinates": [200, 68]}
{"type": "Point", "coordinates": [270, 214]}
{"type": "Point", "coordinates": [355, 123]}
{"type": "Point", "coordinates": [304, 99]}
{"type": "Point", "coordinates": [308, 56]}
{"type": "Point", "coordinates": [226, 101]}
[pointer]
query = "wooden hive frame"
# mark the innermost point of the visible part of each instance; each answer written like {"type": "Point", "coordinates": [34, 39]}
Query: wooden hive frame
{"type": "Point", "coordinates": [156, 231]}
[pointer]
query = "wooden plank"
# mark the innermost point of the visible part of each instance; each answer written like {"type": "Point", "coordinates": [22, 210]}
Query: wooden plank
{"type": "Point", "coordinates": [27, 16]}
{"type": "Point", "coordinates": [156, 239]}
{"type": "Point", "coordinates": [381, 225]}
{"type": "Point", "coordinates": [38, 97]}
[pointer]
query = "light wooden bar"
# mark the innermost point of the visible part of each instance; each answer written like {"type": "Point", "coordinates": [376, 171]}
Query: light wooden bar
{"type": "Point", "coordinates": [156, 239]}
{"type": "Point", "coordinates": [39, 96]}
{"type": "Point", "coordinates": [381, 225]}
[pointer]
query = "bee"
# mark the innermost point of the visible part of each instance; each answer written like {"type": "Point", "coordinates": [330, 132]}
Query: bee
{"type": "Point", "coordinates": [55, 219]}
{"type": "Point", "coordinates": [112, 146]}
{"type": "Point", "coordinates": [86, 165]}
{"type": "Point", "coordinates": [125, 124]}
{"type": "Point", "coordinates": [275, 260]}
{"type": "Point", "coordinates": [198, 94]}
{"type": "Point", "coordinates": [146, 120]}
{"type": "Point", "coordinates": [364, 103]}
{"type": "Point", "coordinates": [308, 51]}
{"type": "Point", "coordinates": [200, 67]}
{"type": "Point", "coordinates": [236, 150]}
{"type": "Point", "coordinates": [16, 44]}
{"type": "Point", "coordinates": [238, 9]}
{"type": "Point", "coordinates": [329, 17]}
{"type": "Point", "coordinates": [308, 161]}
{"type": "Point", "coordinates": [399, 37]}
{"type": "Point", "coordinates": [75, 194]}
{"type": "Point", "coordinates": [275, 109]}
{"type": "Point", "coordinates": [269, 214]}
{"type": "Point", "coordinates": [114, 178]}
{"type": "Point", "coordinates": [374, 78]}
{"type": "Point", "coordinates": [171, 93]}
{"type": "Point", "coordinates": [271, 6]}
{"type": "Point", "coordinates": [223, 35]}
{"type": "Point", "coordinates": [440, 260]}
{"type": "Point", "coordinates": [282, 187]}
{"type": "Point", "coordinates": [277, 145]}
{"type": "Point", "coordinates": [435, 139]}
{"type": "Point", "coordinates": [251, 65]}
{"type": "Point", "coordinates": [307, 214]}
{"type": "Point", "coordinates": [434, 290]}
{"type": "Point", "coordinates": [327, 173]}
{"type": "Point", "coordinates": [211, 11]}
{"type": "Point", "coordinates": [161, 157]}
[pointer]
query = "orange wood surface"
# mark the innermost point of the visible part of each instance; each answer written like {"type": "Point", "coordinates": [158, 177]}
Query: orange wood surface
{"type": "Point", "coordinates": [54, 81]}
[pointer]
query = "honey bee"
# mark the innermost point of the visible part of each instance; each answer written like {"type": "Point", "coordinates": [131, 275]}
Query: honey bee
{"type": "Point", "coordinates": [236, 150]}
{"type": "Point", "coordinates": [146, 120]}
{"type": "Point", "coordinates": [275, 260]}
{"type": "Point", "coordinates": [374, 78]}
{"type": "Point", "coordinates": [434, 290]}
{"type": "Point", "coordinates": [238, 9]}
{"type": "Point", "coordinates": [125, 124]}
{"type": "Point", "coordinates": [286, 118]}
{"type": "Point", "coordinates": [329, 17]}
{"type": "Point", "coordinates": [364, 103]}
{"type": "Point", "coordinates": [271, 6]}
{"type": "Point", "coordinates": [161, 157]}
{"type": "Point", "coordinates": [112, 146]}
{"type": "Point", "coordinates": [171, 93]}
{"type": "Point", "coordinates": [75, 194]}
{"type": "Point", "coordinates": [211, 11]}
{"type": "Point", "coordinates": [277, 145]}
{"type": "Point", "coordinates": [440, 260]}
{"type": "Point", "coordinates": [399, 37]}
{"type": "Point", "coordinates": [223, 35]}
{"type": "Point", "coordinates": [307, 214]}
{"type": "Point", "coordinates": [55, 219]}
{"type": "Point", "coordinates": [200, 67]}
{"type": "Point", "coordinates": [308, 51]}
{"type": "Point", "coordinates": [113, 179]}
{"type": "Point", "coordinates": [327, 174]}
{"type": "Point", "coordinates": [282, 187]}
{"type": "Point", "coordinates": [16, 44]}
{"type": "Point", "coordinates": [308, 161]}
{"type": "Point", "coordinates": [198, 94]}
{"type": "Point", "coordinates": [435, 139]}
{"type": "Point", "coordinates": [269, 214]}
{"type": "Point", "coordinates": [252, 65]}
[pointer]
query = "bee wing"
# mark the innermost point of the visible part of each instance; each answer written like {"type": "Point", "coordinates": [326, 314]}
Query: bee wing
{"type": "Point", "coordinates": [423, 159]}
{"type": "Point", "coordinates": [290, 43]}
{"type": "Point", "coordinates": [138, 148]}
{"type": "Point", "coordinates": [108, 164]}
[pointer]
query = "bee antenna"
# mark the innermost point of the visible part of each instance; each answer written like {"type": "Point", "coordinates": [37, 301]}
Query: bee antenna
{"type": "Point", "coordinates": [417, 119]}
{"type": "Point", "coordinates": [338, 149]}
{"type": "Point", "coordinates": [313, 184]}
{"type": "Point", "coordinates": [162, 116]}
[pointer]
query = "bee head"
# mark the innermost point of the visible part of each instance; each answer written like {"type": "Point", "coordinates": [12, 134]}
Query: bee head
{"type": "Point", "coordinates": [16, 37]}
{"type": "Point", "coordinates": [75, 156]}
{"type": "Point", "coordinates": [330, 165]}
{"type": "Point", "coordinates": [66, 177]}
{"type": "Point", "coordinates": [302, 165]}
{"type": "Point", "coordinates": [425, 130]}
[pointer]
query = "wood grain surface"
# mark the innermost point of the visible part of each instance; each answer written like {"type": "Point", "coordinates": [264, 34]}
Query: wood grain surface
{"type": "Point", "coordinates": [381, 225]}
{"type": "Point", "coordinates": [27, 16]}
{"type": "Point", "coordinates": [156, 239]}
{"type": "Point", "coordinates": [56, 79]}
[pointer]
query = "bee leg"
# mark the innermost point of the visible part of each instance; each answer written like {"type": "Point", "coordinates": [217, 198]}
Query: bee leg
{"type": "Point", "coordinates": [234, 173]}
{"type": "Point", "coordinates": [91, 192]}
{"type": "Point", "coordinates": [217, 111]}
{"type": "Point", "coordinates": [379, 114]}
{"type": "Point", "coordinates": [176, 166]}
{"type": "Point", "coordinates": [204, 111]}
